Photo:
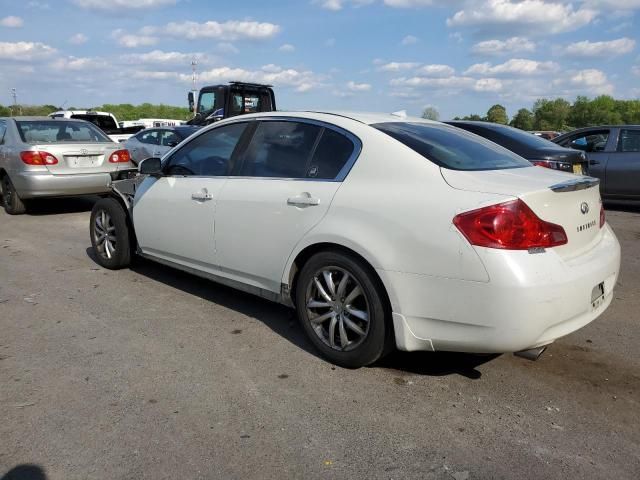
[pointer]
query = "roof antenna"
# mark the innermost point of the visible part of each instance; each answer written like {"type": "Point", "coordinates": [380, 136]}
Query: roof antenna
{"type": "Point", "coordinates": [400, 114]}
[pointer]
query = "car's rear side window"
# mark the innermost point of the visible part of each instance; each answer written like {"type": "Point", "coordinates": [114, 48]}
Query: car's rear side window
{"type": "Point", "coordinates": [629, 141]}
{"type": "Point", "coordinates": [331, 155]}
{"type": "Point", "coordinates": [452, 148]}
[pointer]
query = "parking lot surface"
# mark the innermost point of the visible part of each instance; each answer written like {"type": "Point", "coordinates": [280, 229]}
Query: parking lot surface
{"type": "Point", "coordinates": [153, 373]}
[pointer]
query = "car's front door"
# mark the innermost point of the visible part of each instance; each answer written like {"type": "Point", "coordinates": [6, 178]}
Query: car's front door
{"type": "Point", "coordinates": [623, 167]}
{"type": "Point", "coordinates": [174, 214]}
{"type": "Point", "coordinates": [594, 144]}
{"type": "Point", "coordinates": [283, 186]}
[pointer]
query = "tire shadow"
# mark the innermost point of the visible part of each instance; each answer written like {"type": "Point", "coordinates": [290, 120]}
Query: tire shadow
{"type": "Point", "coordinates": [57, 206]}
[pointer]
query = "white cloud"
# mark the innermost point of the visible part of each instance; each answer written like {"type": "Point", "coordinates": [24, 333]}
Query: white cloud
{"type": "Point", "coordinates": [488, 85]}
{"type": "Point", "coordinates": [159, 57]}
{"type": "Point", "coordinates": [453, 82]}
{"type": "Point", "coordinates": [287, 47]}
{"type": "Point", "coordinates": [588, 49]}
{"type": "Point", "coordinates": [538, 17]}
{"type": "Point", "coordinates": [130, 40]}
{"type": "Point", "coordinates": [11, 22]}
{"type": "Point", "coordinates": [301, 81]}
{"type": "Point", "coordinates": [78, 39]}
{"type": "Point", "coordinates": [436, 71]}
{"type": "Point", "coordinates": [504, 47]}
{"type": "Point", "coordinates": [78, 64]}
{"type": "Point", "coordinates": [397, 66]}
{"type": "Point", "coordinates": [409, 40]}
{"type": "Point", "coordinates": [122, 5]}
{"type": "Point", "coordinates": [408, 3]}
{"type": "Point", "coordinates": [25, 51]}
{"type": "Point", "coordinates": [589, 80]}
{"type": "Point", "coordinates": [358, 87]}
{"type": "Point", "coordinates": [228, 31]}
{"type": "Point", "coordinates": [335, 5]}
{"type": "Point", "coordinates": [515, 66]}
{"type": "Point", "coordinates": [636, 70]}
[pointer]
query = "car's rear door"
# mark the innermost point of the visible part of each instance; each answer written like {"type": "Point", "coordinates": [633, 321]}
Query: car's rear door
{"type": "Point", "coordinates": [623, 166]}
{"type": "Point", "coordinates": [282, 188]}
{"type": "Point", "coordinates": [174, 215]}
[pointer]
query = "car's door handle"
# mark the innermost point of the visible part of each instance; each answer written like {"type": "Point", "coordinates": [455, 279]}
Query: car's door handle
{"type": "Point", "coordinates": [594, 162]}
{"type": "Point", "coordinates": [304, 200]}
{"type": "Point", "coordinates": [201, 196]}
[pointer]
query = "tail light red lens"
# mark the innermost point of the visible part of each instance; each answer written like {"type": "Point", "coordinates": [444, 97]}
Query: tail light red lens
{"type": "Point", "coordinates": [31, 157]}
{"type": "Point", "coordinates": [120, 156]}
{"type": "Point", "coordinates": [602, 217]}
{"type": "Point", "coordinates": [510, 226]}
{"type": "Point", "coordinates": [565, 167]}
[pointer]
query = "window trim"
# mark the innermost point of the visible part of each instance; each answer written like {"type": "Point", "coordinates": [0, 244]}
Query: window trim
{"type": "Point", "coordinates": [342, 174]}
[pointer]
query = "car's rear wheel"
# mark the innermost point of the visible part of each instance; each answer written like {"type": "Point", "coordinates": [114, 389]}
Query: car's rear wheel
{"type": "Point", "coordinates": [341, 307]}
{"type": "Point", "coordinates": [110, 234]}
{"type": "Point", "coordinates": [11, 201]}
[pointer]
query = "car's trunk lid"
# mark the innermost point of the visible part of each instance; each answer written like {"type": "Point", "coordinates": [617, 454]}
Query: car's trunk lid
{"type": "Point", "coordinates": [575, 160]}
{"type": "Point", "coordinates": [80, 158]}
{"type": "Point", "coordinates": [570, 201]}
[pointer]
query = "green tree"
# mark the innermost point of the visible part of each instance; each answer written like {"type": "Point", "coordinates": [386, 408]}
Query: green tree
{"type": "Point", "coordinates": [551, 114]}
{"type": "Point", "coordinates": [497, 114]}
{"type": "Point", "coordinates": [523, 120]}
{"type": "Point", "coordinates": [430, 113]}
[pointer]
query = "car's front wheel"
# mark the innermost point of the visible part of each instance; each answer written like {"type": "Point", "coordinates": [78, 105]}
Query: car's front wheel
{"type": "Point", "coordinates": [11, 201]}
{"type": "Point", "coordinates": [110, 234]}
{"type": "Point", "coordinates": [341, 307]}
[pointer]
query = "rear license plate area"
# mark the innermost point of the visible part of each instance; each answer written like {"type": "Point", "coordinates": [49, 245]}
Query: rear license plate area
{"type": "Point", "coordinates": [82, 161]}
{"type": "Point", "coordinates": [577, 169]}
{"type": "Point", "coordinates": [597, 295]}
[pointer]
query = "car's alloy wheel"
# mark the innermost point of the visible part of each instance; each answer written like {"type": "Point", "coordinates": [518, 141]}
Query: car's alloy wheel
{"type": "Point", "coordinates": [341, 305]}
{"type": "Point", "coordinates": [13, 204]}
{"type": "Point", "coordinates": [337, 308]}
{"type": "Point", "coordinates": [109, 232]}
{"type": "Point", "coordinates": [104, 232]}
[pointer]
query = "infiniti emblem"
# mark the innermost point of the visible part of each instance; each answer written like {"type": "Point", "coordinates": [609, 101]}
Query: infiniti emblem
{"type": "Point", "coordinates": [84, 151]}
{"type": "Point", "coordinates": [584, 208]}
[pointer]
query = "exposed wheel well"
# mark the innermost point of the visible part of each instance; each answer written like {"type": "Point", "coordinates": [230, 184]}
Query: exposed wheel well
{"type": "Point", "coordinates": [311, 250]}
{"type": "Point", "coordinates": [2, 173]}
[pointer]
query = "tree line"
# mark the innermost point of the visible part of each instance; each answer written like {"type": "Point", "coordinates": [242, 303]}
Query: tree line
{"type": "Point", "coordinates": [559, 114]}
{"type": "Point", "coordinates": [122, 111]}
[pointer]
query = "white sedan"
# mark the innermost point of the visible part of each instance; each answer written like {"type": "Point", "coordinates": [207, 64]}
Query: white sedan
{"type": "Point", "coordinates": [381, 231]}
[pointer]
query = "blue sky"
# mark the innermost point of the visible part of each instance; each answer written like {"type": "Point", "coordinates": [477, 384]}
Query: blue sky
{"type": "Point", "coordinates": [460, 56]}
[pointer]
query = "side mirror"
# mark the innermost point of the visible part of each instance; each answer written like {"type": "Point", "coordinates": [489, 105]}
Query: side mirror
{"type": "Point", "coordinates": [150, 166]}
{"type": "Point", "coordinates": [192, 101]}
{"type": "Point", "coordinates": [579, 146]}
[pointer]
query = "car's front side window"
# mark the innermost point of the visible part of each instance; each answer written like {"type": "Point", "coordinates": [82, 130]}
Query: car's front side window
{"type": "Point", "coordinates": [170, 138]}
{"type": "Point", "coordinates": [629, 141]}
{"type": "Point", "coordinates": [208, 154]}
{"type": "Point", "coordinates": [280, 149]}
{"type": "Point", "coordinates": [589, 142]}
{"type": "Point", "coordinates": [152, 137]}
{"type": "Point", "coordinates": [3, 130]}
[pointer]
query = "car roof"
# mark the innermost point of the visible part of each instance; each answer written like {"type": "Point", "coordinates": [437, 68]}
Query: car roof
{"type": "Point", "coordinates": [43, 118]}
{"type": "Point", "coordinates": [367, 118]}
{"type": "Point", "coordinates": [479, 123]}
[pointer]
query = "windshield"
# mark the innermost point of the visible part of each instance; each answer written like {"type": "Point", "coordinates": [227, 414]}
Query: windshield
{"type": "Point", "coordinates": [452, 148]}
{"type": "Point", "coordinates": [105, 122]}
{"type": "Point", "coordinates": [55, 131]}
{"type": "Point", "coordinates": [207, 102]}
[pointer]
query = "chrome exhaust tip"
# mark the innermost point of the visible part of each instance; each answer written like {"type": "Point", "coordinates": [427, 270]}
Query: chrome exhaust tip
{"type": "Point", "coordinates": [532, 354]}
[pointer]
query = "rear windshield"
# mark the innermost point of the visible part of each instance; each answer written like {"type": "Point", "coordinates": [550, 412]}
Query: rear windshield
{"type": "Point", "coordinates": [105, 122]}
{"type": "Point", "coordinates": [55, 131]}
{"type": "Point", "coordinates": [452, 148]}
{"type": "Point", "coordinates": [508, 136]}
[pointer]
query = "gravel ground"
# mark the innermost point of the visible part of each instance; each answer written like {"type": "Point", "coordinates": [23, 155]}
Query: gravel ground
{"type": "Point", "coordinates": [152, 373]}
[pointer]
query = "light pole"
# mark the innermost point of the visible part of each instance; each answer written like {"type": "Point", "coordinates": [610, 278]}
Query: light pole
{"type": "Point", "coordinates": [14, 94]}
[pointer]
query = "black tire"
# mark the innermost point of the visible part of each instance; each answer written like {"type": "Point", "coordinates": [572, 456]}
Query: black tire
{"type": "Point", "coordinates": [360, 350]}
{"type": "Point", "coordinates": [109, 232]}
{"type": "Point", "coordinates": [11, 201]}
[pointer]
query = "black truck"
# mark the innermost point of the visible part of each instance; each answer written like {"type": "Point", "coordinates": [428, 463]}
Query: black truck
{"type": "Point", "coordinates": [216, 102]}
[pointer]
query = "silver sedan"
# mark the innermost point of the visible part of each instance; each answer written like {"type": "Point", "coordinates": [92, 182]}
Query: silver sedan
{"type": "Point", "coordinates": [44, 157]}
{"type": "Point", "coordinates": [155, 142]}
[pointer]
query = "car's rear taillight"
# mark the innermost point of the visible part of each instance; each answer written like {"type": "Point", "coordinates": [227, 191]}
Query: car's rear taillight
{"type": "Point", "coordinates": [511, 226]}
{"type": "Point", "coordinates": [562, 166]}
{"type": "Point", "coordinates": [602, 217]}
{"type": "Point", "coordinates": [120, 156]}
{"type": "Point", "coordinates": [35, 157]}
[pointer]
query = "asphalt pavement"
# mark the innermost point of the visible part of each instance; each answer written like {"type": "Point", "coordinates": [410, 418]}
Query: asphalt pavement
{"type": "Point", "coordinates": [152, 373]}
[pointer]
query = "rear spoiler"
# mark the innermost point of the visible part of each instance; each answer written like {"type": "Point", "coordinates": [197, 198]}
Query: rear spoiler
{"type": "Point", "coordinates": [573, 185]}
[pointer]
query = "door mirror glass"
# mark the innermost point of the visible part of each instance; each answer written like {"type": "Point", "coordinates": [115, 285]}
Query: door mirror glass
{"type": "Point", "coordinates": [192, 101]}
{"type": "Point", "coordinates": [577, 145]}
{"type": "Point", "coordinates": [150, 166]}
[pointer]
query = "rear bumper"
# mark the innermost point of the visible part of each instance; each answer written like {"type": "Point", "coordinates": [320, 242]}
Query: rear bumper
{"type": "Point", "coordinates": [44, 184]}
{"type": "Point", "coordinates": [530, 300]}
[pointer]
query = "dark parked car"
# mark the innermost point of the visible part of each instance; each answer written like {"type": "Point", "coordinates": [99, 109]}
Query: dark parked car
{"type": "Point", "coordinates": [537, 150]}
{"type": "Point", "coordinates": [614, 157]}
